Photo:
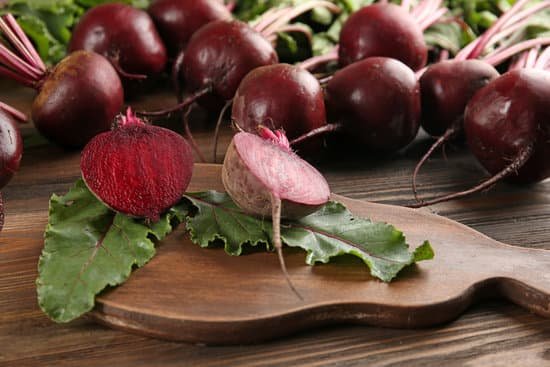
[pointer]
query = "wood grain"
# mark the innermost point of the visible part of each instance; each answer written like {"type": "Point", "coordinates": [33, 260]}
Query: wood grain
{"type": "Point", "coordinates": [491, 333]}
{"type": "Point", "coordinates": [204, 296]}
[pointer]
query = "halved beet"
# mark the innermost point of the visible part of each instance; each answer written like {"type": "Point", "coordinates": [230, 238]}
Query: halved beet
{"type": "Point", "coordinates": [137, 169]}
{"type": "Point", "coordinates": [254, 169]}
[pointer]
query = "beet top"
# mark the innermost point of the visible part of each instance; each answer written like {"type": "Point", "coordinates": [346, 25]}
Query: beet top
{"type": "Point", "coordinates": [125, 35]}
{"type": "Point", "coordinates": [137, 169]}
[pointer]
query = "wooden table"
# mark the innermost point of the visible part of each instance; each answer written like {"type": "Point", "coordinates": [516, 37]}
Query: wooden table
{"type": "Point", "coordinates": [493, 333]}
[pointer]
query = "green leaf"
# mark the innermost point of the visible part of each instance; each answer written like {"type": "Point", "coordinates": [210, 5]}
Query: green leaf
{"type": "Point", "coordinates": [330, 232]}
{"type": "Point", "coordinates": [88, 247]}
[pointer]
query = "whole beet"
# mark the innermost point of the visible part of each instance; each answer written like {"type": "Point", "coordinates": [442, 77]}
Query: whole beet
{"type": "Point", "coordinates": [11, 147]}
{"type": "Point", "coordinates": [382, 29]}
{"type": "Point", "coordinates": [377, 100]}
{"type": "Point", "coordinates": [447, 87]}
{"type": "Point", "coordinates": [281, 97]}
{"type": "Point", "coordinates": [219, 56]}
{"type": "Point", "coordinates": [178, 20]}
{"type": "Point", "coordinates": [137, 169]}
{"type": "Point", "coordinates": [508, 118]}
{"type": "Point", "coordinates": [123, 34]}
{"type": "Point", "coordinates": [78, 99]}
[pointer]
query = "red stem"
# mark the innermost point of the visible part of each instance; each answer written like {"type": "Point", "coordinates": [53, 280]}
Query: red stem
{"type": "Point", "coordinates": [499, 55]}
{"type": "Point", "coordinates": [316, 61]}
{"type": "Point", "coordinates": [513, 167]}
{"type": "Point", "coordinates": [176, 71]}
{"type": "Point", "coordinates": [124, 74]}
{"type": "Point", "coordinates": [217, 131]}
{"type": "Point", "coordinates": [451, 132]}
{"type": "Point", "coordinates": [316, 132]}
{"type": "Point", "coordinates": [23, 44]}
{"type": "Point", "coordinates": [189, 135]}
{"type": "Point", "coordinates": [178, 107]}
{"type": "Point", "coordinates": [20, 116]}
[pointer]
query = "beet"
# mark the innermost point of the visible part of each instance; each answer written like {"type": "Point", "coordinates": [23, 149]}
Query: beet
{"type": "Point", "coordinates": [266, 179]}
{"type": "Point", "coordinates": [382, 29]}
{"type": "Point", "coordinates": [78, 99]}
{"type": "Point", "coordinates": [219, 56]}
{"type": "Point", "coordinates": [125, 35]}
{"type": "Point", "coordinates": [137, 169]}
{"type": "Point", "coordinates": [297, 110]}
{"type": "Point", "coordinates": [75, 100]}
{"type": "Point", "coordinates": [507, 127]}
{"type": "Point", "coordinates": [178, 20]}
{"type": "Point", "coordinates": [11, 144]}
{"type": "Point", "coordinates": [377, 100]}
{"type": "Point", "coordinates": [446, 89]}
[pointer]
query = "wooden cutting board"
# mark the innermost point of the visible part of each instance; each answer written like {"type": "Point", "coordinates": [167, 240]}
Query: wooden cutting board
{"type": "Point", "coordinates": [206, 296]}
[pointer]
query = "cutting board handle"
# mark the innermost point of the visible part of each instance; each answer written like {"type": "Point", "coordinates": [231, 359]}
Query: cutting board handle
{"type": "Point", "coordinates": [527, 282]}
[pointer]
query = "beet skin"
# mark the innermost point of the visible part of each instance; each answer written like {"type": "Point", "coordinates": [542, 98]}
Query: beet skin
{"type": "Point", "coordinates": [11, 148]}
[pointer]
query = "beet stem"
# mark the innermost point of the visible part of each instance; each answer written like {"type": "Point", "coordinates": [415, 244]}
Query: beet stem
{"type": "Point", "coordinates": [297, 11]}
{"type": "Point", "coordinates": [276, 219]}
{"type": "Point", "coordinates": [494, 29]}
{"type": "Point", "coordinates": [217, 131]}
{"type": "Point", "coordinates": [126, 75]}
{"type": "Point", "coordinates": [269, 17]}
{"type": "Point", "coordinates": [433, 18]}
{"type": "Point", "coordinates": [7, 73]}
{"type": "Point", "coordinates": [26, 59]}
{"type": "Point", "coordinates": [12, 61]}
{"type": "Point", "coordinates": [298, 28]}
{"type": "Point", "coordinates": [543, 61]}
{"type": "Point", "coordinates": [34, 57]}
{"type": "Point", "coordinates": [230, 6]}
{"type": "Point", "coordinates": [448, 135]}
{"type": "Point", "coordinates": [504, 53]}
{"type": "Point", "coordinates": [406, 5]}
{"type": "Point", "coordinates": [180, 106]}
{"type": "Point", "coordinates": [20, 116]}
{"type": "Point", "coordinates": [316, 61]}
{"type": "Point", "coordinates": [523, 15]}
{"type": "Point", "coordinates": [315, 132]}
{"type": "Point", "coordinates": [176, 70]}
{"type": "Point", "coordinates": [520, 160]}
{"type": "Point", "coordinates": [189, 135]}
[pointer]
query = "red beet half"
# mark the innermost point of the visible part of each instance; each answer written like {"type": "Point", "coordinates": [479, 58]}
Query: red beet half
{"type": "Point", "coordinates": [281, 97]}
{"type": "Point", "coordinates": [11, 144]}
{"type": "Point", "coordinates": [137, 169]}
{"type": "Point", "coordinates": [265, 178]}
{"type": "Point", "coordinates": [125, 35]}
{"type": "Point", "coordinates": [75, 100]}
{"type": "Point", "coordinates": [219, 56]}
{"type": "Point", "coordinates": [377, 100]}
{"type": "Point", "coordinates": [383, 29]}
{"type": "Point", "coordinates": [178, 20]}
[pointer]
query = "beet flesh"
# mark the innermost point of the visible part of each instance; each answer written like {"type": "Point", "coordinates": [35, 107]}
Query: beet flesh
{"type": "Point", "coordinates": [11, 148]}
{"type": "Point", "coordinates": [281, 97]}
{"type": "Point", "coordinates": [178, 20]}
{"type": "Point", "coordinates": [382, 30]}
{"type": "Point", "coordinates": [508, 115]}
{"type": "Point", "coordinates": [378, 102]}
{"type": "Point", "coordinates": [138, 169]}
{"type": "Point", "coordinates": [447, 87]}
{"type": "Point", "coordinates": [219, 56]}
{"type": "Point", "coordinates": [255, 168]}
{"type": "Point", "coordinates": [121, 31]}
{"type": "Point", "coordinates": [78, 99]}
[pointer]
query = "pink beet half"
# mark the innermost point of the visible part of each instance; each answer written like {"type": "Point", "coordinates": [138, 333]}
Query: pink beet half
{"type": "Point", "coordinates": [256, 168]}
{"type": "Point", "coordinates": [138, 169]}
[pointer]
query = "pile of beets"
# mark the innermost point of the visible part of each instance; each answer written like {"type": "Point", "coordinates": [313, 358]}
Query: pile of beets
{"type": "Point", "coordinates": [380, 95]}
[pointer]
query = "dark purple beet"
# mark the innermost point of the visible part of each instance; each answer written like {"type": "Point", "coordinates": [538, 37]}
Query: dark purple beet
{"type": "Point", "coordinates": [280, 96]}
{"type": "Point", "coordinates": [382, 29]}
{"type": "Point", "coordinates": [220, 55]}
{"type": "Point", "coordinates": [446, 89]}
{"type": "Point", "coordinates": [378, 102]}
{"type": "Point", "coordinates": [178, 20]}
{"type": "Point", "coordinates": [119, 31]}
{"type": "Point", "coordinates": [508, 116]}
{"type": "Point", "coordinates": [11, 148]}
{"type": "Point", "coordinates": [78, 99]}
